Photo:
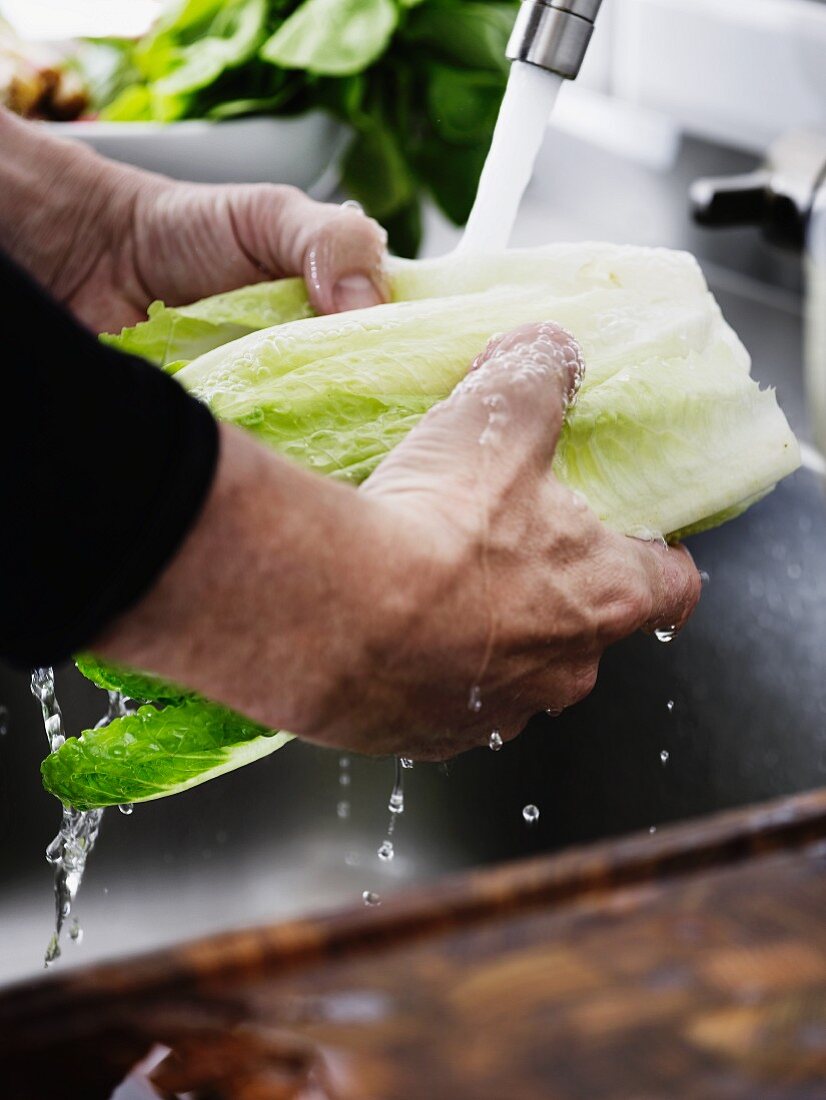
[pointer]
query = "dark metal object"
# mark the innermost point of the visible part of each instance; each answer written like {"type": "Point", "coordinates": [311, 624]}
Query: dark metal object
{"type": "Point", "coordinates": [777, 198]}
{"type": "Point", "coordinates": [553, 34]}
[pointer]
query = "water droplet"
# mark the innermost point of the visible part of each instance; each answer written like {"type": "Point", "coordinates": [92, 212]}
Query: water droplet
{"type": "Point", "coordinates": [76, 932]}
{"type": "Point", "coordinates": [495, 741]}
{"type": "Point", "coordinates": [652, 829]}
{"type": "Point", "coordinates": [704, 577]}
{"type": "Point", "coordinates": [386, 851]}
{"type": "Point", "coordinates": [666, 635]}
{"type": "Point", "coordinates": [474, 702]}
{"type": "Point", "coordinates": [4, 721]}
{"type": "Point", "coordinates": [369, 897]}
{"type": "Point", "coordinates": [531, 814]}
{"type": "Point", "coordinates": [664, 757]}
{"type": "Point", "coordinates": [669, 706]}
{"type": "Point", "coordinates": [343, 810]}
{"type": "Point", "coordinates": [352, 859]}
{"type": "Point", "coordinates": [344, 762]}
{"type": "Point", "coordinates": [126, 808]}
{"type": "Point", "coordinates": [344, 779]}
{"type": "Point", "coordinates": [553, 712]}
{"type": "Point", "coordinates": [396, 803]}
{"type": "Point", "coordinates": [406, 762]}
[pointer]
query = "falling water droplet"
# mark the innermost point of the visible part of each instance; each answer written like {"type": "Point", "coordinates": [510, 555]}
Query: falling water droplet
{"type": "Point", "coordinates": [474, 702]}
{"type": "Point", "coordinates": [4, 721]}
{"type": "Point", "coordinates": [704, 577]}
{"type": "Point", "coordinates": [344, 779]}
{"type": "Point", "coordinates": [344, 762]}
{"type": "Point", "coordinates": [495, 741]}
{"type": "Point", "coordinates": [126, 808]}
{"type": "Point", "coordinates": [386, 851]}
{"type": "Point", "coordinates": [666, 635]}
{"type": "Point", "coordinates": [406, 762]}
{"type": "Point", "coordinates": [343, 810]}
{"type": "Point", "coordinates": [531, 814]}
{"type": "Point", "coordinates": [669, 706]}
{"type": "Point", "coordinates": [664, 757]}
{"type": "Point", "coordinates": [652, 829]}
{"type": "Point", "coordinates": [369, 897]}
{"type": "Point", "coordinates": [76, 932]}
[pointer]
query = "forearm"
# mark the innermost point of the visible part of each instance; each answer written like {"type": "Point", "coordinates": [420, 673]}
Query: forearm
{"type": "Point", "coordinates": [282, 599]}
{"type": "Point", "coordinates": [64, 210]}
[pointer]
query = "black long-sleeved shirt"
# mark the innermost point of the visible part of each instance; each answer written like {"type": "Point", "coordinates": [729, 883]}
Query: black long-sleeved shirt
{"type": "Point", "coordinates": [104, 464]}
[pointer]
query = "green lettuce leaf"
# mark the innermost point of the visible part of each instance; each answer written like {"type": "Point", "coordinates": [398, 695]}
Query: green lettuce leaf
{"type": "Point", "coordinates": [172, 335]}
{"type": "Point", "coordinates": [154, 753]}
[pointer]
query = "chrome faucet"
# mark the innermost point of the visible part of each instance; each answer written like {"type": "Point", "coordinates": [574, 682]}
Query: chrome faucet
{"type": "Point", "coordinates": [553, 34]}
{"type": "Point", "coordinates": [787, 200]}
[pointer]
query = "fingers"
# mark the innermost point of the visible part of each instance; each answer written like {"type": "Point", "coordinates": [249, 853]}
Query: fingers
{"type": "Point", "coordinates": [673, 585]}
{"type": "Point", "coordinates": [511, 404]}
{"type": "Point", "coordinates": [338, 249]}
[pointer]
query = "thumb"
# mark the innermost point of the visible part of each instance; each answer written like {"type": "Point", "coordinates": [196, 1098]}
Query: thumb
{"type": "Point", "coordinates": [512, 403]}
{"type": "Point", "coordinates": [338, 249]}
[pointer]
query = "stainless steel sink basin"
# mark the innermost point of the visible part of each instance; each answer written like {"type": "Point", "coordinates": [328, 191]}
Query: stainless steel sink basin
{"type": "Point", "coordinates": [747, 681]}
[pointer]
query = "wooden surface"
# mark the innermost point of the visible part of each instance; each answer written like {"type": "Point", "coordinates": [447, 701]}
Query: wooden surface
{"type": "Point", "coordinates": [690, 965]}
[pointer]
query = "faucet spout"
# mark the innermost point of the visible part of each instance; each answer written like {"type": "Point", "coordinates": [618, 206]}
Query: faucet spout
{"type": "Point", "coordinates": [553, 34]}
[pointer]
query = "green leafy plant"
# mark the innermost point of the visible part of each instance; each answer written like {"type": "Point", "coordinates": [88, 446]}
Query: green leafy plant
{"type": "Point", "coordinates": [417, 82]}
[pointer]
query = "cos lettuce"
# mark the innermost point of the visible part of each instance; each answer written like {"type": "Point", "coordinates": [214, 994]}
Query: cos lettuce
{"type": "Point", "coordinates": [670, 434]}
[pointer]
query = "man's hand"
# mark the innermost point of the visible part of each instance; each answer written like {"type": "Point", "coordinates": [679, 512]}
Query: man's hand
{"type": "Point", "coordinates": [107, 239]}
{"type": "Point", "coordinates": [461, 591]}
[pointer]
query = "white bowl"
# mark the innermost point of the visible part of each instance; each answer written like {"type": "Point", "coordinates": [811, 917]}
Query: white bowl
{"type": "Point", "coordinates": [303, 151]}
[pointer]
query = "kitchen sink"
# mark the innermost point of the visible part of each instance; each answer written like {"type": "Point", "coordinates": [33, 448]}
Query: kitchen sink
{"type": "Point", "coordinates": [732, 711]}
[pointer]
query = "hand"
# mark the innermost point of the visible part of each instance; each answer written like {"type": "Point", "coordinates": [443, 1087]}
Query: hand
{"type": "Point", "coordinates": [366, 620]}
{"type": "Point", "coordinates": [108, 239]}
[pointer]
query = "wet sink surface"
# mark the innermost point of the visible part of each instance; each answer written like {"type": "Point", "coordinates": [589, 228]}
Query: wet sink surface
{"type": "Point", "coordinates": [747, 680]}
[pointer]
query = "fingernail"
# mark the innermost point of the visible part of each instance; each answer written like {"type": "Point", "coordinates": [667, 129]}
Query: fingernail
{"type": "Point", "coordinates": [355, 292]}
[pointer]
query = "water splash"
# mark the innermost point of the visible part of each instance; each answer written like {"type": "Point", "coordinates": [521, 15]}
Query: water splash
{"type": "Point", "coordinates": [523, 118]}
{"type": "Point", "coordinates": [70, 849]}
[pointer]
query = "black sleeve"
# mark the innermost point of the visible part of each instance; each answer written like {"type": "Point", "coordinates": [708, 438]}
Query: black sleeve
{"type": "Point", "coordinates": [105, 462]}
